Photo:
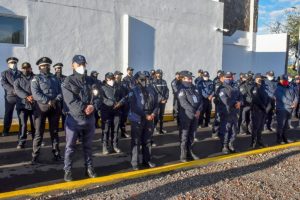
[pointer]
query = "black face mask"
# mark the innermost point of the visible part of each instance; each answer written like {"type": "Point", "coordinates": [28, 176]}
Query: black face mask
{"type": "Point", "coordinates": [142, 83]}
{"type": "Point", "coordinates": [45, 70]}
{"type": "Point", "coordinates": [186, 84]}
{"type": "Point", "coordinates": [26, 73]}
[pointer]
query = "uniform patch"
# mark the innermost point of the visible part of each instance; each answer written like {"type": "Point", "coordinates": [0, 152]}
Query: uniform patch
{"type": "Point", "coordinates": [221, 94]}
{"type": "Point", "coordinates": [181, 94]}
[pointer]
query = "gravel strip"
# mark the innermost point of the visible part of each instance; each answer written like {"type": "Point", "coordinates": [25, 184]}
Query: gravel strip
{"type": "Point", "coordinates": [273, 175]}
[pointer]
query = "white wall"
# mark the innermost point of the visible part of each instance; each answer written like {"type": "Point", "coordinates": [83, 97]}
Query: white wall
{"type": "Point", "coordinates": [269, 53]}
{"type": "Point", "coordinates": [181, 36]}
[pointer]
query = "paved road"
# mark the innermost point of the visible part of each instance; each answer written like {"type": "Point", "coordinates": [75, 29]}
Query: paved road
{"type": "Point", "coordinates": [17, 173]}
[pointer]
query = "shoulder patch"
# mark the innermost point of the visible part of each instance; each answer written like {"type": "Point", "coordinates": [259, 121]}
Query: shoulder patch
{"type": "Point", "coordinates": [221, 94]}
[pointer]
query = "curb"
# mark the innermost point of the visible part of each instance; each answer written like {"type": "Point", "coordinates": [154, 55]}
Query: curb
{"type": "Point", "coordinates": [34, 192]}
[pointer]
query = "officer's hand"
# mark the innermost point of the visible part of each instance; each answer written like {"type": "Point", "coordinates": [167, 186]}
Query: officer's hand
{"type": "Point", "coordinates": [163, 101]}
{"type": "Point", "coordinates": [210, 97]}
{"type": "Point", "coordinates": [237, 105]}
{"type": "Point", "coordinates": [29, 99]}
{"type": "Point", "coordinates": [149, 117]}
{"type": "Point", "coordinates": [89, 109]}
{"type": "Point", "coordinates": [294, 105]}
{"type": "Point", "coordinates": [197, 115]}
{"type": "Point", "coordinates": [52, 103]}
{"type": "Point", "coordinates": [117, 105]}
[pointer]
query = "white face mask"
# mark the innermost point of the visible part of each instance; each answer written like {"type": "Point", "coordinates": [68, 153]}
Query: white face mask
{"type": "Point", "coordinates": [12, 66]}
{"type": "Point", "coordinates": [110, 82]}
{"type": "Point", "coordinates": [205, 78]}
{"type": "Point", "coordinates": [290, 79]}
{"type": "Point", "coordinates": [270, 78]}
{"type": "Point", "coordinates": [80, 70]}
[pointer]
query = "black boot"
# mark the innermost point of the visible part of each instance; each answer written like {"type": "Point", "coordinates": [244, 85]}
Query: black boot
{"type": "Point", "coordinates": [183, 155]}
{"type": "Point", "coordinates": [105, 150]}
{"type": "Point", "coordinates": [231, 147]}
{"type": "Point", "coordinates": [225, 150]}
{"type": "Point", "coordinates": [68, 176]}
{"type": "Point", "coordinates": [90, 172]}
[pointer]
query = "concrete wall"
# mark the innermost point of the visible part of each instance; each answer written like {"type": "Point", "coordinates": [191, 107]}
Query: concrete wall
{"type": "Point", "coordinates": [172, 34]}
{"type": "Point", "coordinates": [268, 52]}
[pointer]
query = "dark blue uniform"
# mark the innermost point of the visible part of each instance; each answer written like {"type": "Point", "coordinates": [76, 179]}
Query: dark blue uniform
{"type": "Point", "coordinates": [260, 106]}
{"type": "Point", "coordinates": [245, 121]}
{"type": "Point", "coordinates": [7, 81]}
{"type": "Point", "coordinates": [229, 97]}
{"type": "Point", "coordinates": [162, 91]}
{"type": "Point", "coordinates": [175, 84]}
{"type": "Point", "coordinates": [190, 100]}
{"type": "Point", "coordinates": [61, 78]}
{"type": "Point", "coordinates": [22, 86]}
{"type": "Point", "coordinates": [77, 91]}
{"type": "Point", "coordinates": [112, 96]}
{"type": "Point", "coordinates": [286, 100]}
{"type": "Point", "coordinates": [46, 90]}
{"type": "Point", "coordinates": [216, 123]}
{"type": "Point", "coordinates": [270, 86]}
{"type": "Point", "coordinates": [206, 88]}
{"type": "Point", "coordinates": [143, 101]}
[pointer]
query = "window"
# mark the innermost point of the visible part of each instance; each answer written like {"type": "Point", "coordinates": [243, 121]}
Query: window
{"type": "Point", "coordinates": [12, 30]}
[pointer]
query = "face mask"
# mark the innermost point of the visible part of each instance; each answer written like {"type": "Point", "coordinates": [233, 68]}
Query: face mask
{"type": "Point", "coordinates": [110, 82]}
{"type": "Point", "coordinates": [80, 70]}
{"type": "Point", "coordinates": [228, 82]}
{"type": "Point", "coordinates": [45, 70]}
{"type": "Point", "coordinates": [186, 84]}
{"type": "Point", "coordinates": [270, 78]}
{"type": "Point", "coordinates": [26, 73]}
{"type": "Point", "coordinates": [285, 83]}
{"type": "Point", "coordinates": [142, 83]}
{"type": "Point", "coordinates": [205, 78]}
{"type": "Point", "coordinates": [290, 79]}
{"type": "Point", "coordinates": [12, 66]}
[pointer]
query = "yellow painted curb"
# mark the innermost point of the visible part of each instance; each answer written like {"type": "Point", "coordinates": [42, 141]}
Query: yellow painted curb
{"type": "Point", "coordinates": [135, 174]}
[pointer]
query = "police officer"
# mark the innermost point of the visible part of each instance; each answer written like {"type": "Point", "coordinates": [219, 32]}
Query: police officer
{"type": "Point", "coordinates": [245, 90]}
{"type": "Point", "coordinates": [260, 106]}
{"type": "Point", "coordinates": [152, 75]}
{"type": "Point", "coordinates": [270, 85]}
{"type": "Point", "coordinates": [200, 76]}
{"type": "Point", "coordinates": [162, 90]}
{"type": "Point", "coordinates": [113, 99]}
{"type": "Point", "coordinates": [242, 88]}
{"type": "Point", "coordinates": [143, 109]}
{"type": "Point", "coordinates": [175, 84]}
{"type": "Point", "coordinates": [123, 118]}
{"type": "Point", "coordinates": [191, 105]}
{"type": "Point", "coordinates": [231, 102]}
{"type": "Point", "coordinates": [25, 103]}
{"type": "Point", "coordinates": [81, 98]}
{"type": "Point", "coordinates": [94, 76]}
{"type": "Point", "coordinates": [286, 102]}
{"type": "Point", "coordinates": [46, 91]}
{"type": "Point", "coordinates": [59, 75]}
{"type": "Point", "coordinates": [128, 81]}
{"type": "Point", "coordinates": [206, 88]}
{"type": "Point", "coordinates": [218, 82]}
{"type": "Point", "coordinates": [7, 81]}
{"type": "Point", "coordinates": [293, 85]}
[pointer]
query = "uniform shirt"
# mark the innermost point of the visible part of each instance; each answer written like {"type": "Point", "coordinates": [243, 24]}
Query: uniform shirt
{"type": "Point", "coordinates": [246, 94]}
{"type": "Point", "coordinates": [77, 92]}
{"type": "Point", "coordinates": [271, 87]}
{"type": "Point", "coordinates": [45, 87]}
{"type": "Point", "coordinates": [198, 79]}
{"type": "Point", "coordinates": [190, 100]}
{"type": "Point", "coordinates": [7, 81]}
{"type": "Point", "coordinates": [175, 84]}
{"type": "Point", "coordinates": [260, 98]}
{"type": "Point", "coordinates": [206, 88]}
{"type": "Point", "coordinates": [161, 89]}
{"type": "Point", "coordinates": [229, 96]}
{"type": "Point", "coordinates": [111, 96]}
{"type": "Point", "coordinates": [128, 82]}
{"type": "Point", "coordinates": [285, 98]}
{"type": "Point", "coordinates": [142, 101]}
{"type": "Point", "coordinates": [22, 86]}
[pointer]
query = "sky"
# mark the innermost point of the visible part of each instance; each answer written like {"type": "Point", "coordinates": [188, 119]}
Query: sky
{"type": "Point", "coordinates": [273, 10]}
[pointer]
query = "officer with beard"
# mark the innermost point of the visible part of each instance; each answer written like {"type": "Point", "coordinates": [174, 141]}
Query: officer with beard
{"type": "Point", "coordinates": [191, 105]}
{"type": "Point", "coordinates": [46, 91]}
{"type": "Point", "coordinates": [7, 81]}
{"type": "Point", "coordinates": [58, 73]}
{"type": "Point", "coordinates": [143, 109]}
{"type": "Point", "coordinates": [25, 103]}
